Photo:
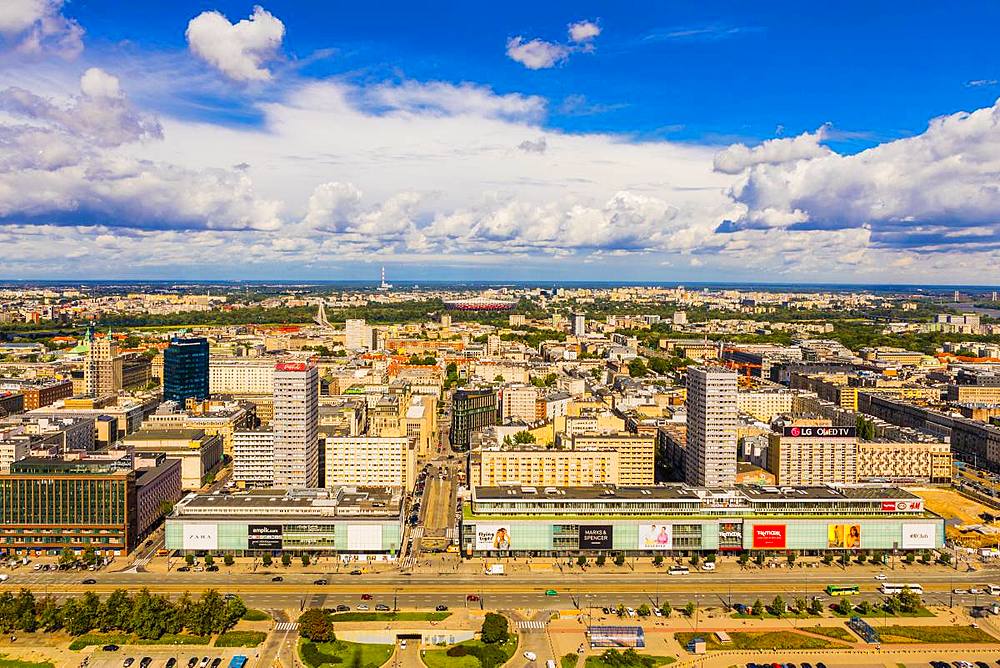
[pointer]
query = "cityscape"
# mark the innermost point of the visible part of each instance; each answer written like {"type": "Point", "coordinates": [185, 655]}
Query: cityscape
{"type": "Point", "coordinates": [452, 338]}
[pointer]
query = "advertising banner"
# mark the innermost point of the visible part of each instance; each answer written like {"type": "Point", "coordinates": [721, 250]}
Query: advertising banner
{"type": "Point", "coordinates": [843, 535]}
{"type": "Point", "coordinates": [656, 537]}
{"type": "Point", "coordinates": [820, 432]}
{"type": "Point", "coordinates": [201, 537]}
{"type": "Point", "coordinates": [493, 537]}
{"type": "Point", "coordinates": [364, 537]}
{"type": "Point", "coordinates": [769, 536]}
{"type": "Point", "coordinates": [731, 536]}
{"type": "Point", "coordinates": [264, 537]}
{"type": "Point", "coordinates": [902, 506]}
{"type": "Point", "coordinates": [596, 536]}
{"type": "Point", "coordinates": [918, 536]}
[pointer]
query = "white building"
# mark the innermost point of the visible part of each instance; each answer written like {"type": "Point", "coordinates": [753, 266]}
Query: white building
{"type": "Point", "coordinates": [12, 450]}
{"type": "Point", "coordinates": [518, 403]}
{"type": "Point", "coordinates": [710, 454]}
{"type": "Point", "coordinates": [240, 376]}
{"type": "Point", "coordinates": [579, 324]}
{"type": "Point", "coordinates": [253, 458]}
{"type": "Point", "coordinates": [357, 335]}
{"type": "Point", "coordinates": [370, 461]}
{"type": "Point", "coordinates": [295, 424]}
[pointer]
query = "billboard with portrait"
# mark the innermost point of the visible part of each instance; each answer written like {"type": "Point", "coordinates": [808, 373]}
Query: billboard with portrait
{"type": "Point", "coordinates": [656, 537]}
{"type": "Point", "coordinates": [493, 537]}
{"type": "Point", "coordinates": [847, 536]}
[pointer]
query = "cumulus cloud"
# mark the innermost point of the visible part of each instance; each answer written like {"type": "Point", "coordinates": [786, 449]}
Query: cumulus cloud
{"type": "Point", "coordinates": [448, 99]}
{"type": "Point", "coordinates": [583, 31]}
{"type": "Point", "coordinates": [536, 54]}
{"type": "Point", "coordinates": [238, 50]}
{"type": "Point", "coordinates": [932, 191]}
{"type": "Point", "coordinates": [740, 157]}
{"type": "Point", "coordinates": [38, 26]}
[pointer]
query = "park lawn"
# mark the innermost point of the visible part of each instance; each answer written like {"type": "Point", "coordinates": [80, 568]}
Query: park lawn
{"type": "Point", "coordinates": [874, 614]}
{"type": "Point", "coordinates": [254, 615]}
{"type": "Point", "coordinates": [389, 616]}
{"type": "Point", "coordinates": [342, 652]}
{"type": "Point", "coordinates": [16, 663]}
{"type": "Point", "coordinates": [768, 615]}
{"type": "Point", "coordinates": [596, 662]}
{"type": "Point", "coordinates": [240, 639]}
{"type": "Point", "coordinates": [88, 639]}
{"type": "Point", "coordinates": [835, 632]}
{"type": "Point", "coordinates": [759, 640]}
{"type": "Point", "coordinates": [933, 634]}
{"type": "Point", "coordinates": [569, 660]}
{"type": "Point", "coordinates": [438, 658]}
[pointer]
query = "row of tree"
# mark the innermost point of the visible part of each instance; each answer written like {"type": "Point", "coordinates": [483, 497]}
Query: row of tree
{"type": "Point", "coordinates": [147, 615]}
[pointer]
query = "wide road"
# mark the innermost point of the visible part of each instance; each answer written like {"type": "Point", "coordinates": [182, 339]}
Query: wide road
{"type": "Point", "coordinates": [574, 590]}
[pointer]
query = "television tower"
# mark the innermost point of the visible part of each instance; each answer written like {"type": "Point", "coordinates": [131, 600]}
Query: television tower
{"type": "Point", "coordinates": [383, 286]}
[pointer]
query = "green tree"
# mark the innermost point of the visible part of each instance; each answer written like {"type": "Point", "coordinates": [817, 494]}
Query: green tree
{"type": "Point", "coordinates": [637, 368]}
{"type": "Point", "coordinates": [757, 609]}
{"type": "Point", "coordinates": [315, 625]}
{"type": "Point", "coordinates": [50, 617]}
{"type": "Point", "coordinates": [601, 560]}
{"type": "Point", "coordinates": [305, 559]}
{"type": "Point", "coordinates": [777, 607]}
{"type": "Point", "coordinates": [665, 609]}
{"type": "Point", "coordinates": [266, 560]}
{"type": "Point", "coordinates": [286, 559]}
{"type": "Point", "coordinates": [233, 612]}
{"type": "Point", "coordinates": [495, 628]}
{"type": "Point", "coordinates": [744, 559]}
{"type": "Point", "coordinates": [116, 612]}
{"type": "Point", "coordinates": [759, 558]}
{"type": "Point", "coordinates": [909, 601]}
{"type": "Point", "coordinates": [89, 556]}
{"type": "Point", "coordinates": [228, 560]}
{"type": "Point", "coordinates": [581, 561]}
{"type": "Point", "coordinates": [845, 559]}
{"type": "Point", "coordinates": [944, 558]}
{"type": "Point", "coordinates": [189, 559]}
{"type": "Point", "coordinates": [925, 557]}
{"type": "Point", "coordinates": [815, 607]}
{"type": "Point", "coordinates": [791, 558]}
{"type": "Point", "coordinates": [658, 560]}
{"type": "Point", "coordinates": [209, 560]}
{"type": "Point", "coordinates": [695, 559]}
{"type": "Point", "coordinates": [690, 609]}
{"type": "Point", "coordinates": [524, 437]}
{"type": "Point", "coordinates": [861, 558]}
{"type": "Point", "coordinates": [827, 558]}
{"type": "Point", "coordinates": [67, 557]}
{"type": "Point", "coordinates": [801, 606]}
{"type": "Point", "coordinates": [619, 559]}
{"type": "Point", "coordinates": [844, 606]}
{"type": "Point", "coordinates": [865, 608]}
{"type": "Point", "coordinates": [643, 610]}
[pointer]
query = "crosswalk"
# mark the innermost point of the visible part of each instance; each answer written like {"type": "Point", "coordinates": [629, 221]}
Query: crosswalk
{"type": "Point", "coordinates": [531, 625]}
{"type": "Point", "coordinates": [286, 626]}
{"type": "Point", "coordinates": [417, 531]}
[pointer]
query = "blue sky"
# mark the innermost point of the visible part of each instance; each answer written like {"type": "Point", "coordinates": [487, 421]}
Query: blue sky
{"type": "Point", "coordinates": [672, 140]}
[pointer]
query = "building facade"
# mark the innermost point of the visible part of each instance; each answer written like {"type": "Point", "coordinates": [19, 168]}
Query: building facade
{"type": "Point", "coordinates": [710, 452]}
{"type": "Point", "coordinates": [253, 458]}
{"type": "Point", "coordinates": [370, 461]}
{"type": "Point", "coordinates": [296, 425]}
{"type": "Point", "coordinates": [813, 455]}
{"type": "Point", "coordinates": [185, 370]}
{"type": "Point", "coordinates": [472, 409]}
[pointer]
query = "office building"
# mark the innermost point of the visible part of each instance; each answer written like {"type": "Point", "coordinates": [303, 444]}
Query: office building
{"type": "Point", "coordinates": [579, 324]}
{"type": "Point", "coordinates": [200, 454]}
{"type": "Point", "coordinates": [472, 409]}
{"type": "Point", "coordinates": [357, 335]}
{"type": "Point", "coordinates": [370, 461]}
{"type": "Point", "coordinates": [253, 458]}
{"type": "Point", "coordinates": [235, 375]}
{"type": "Point", "coordinates": [102, 369]}
{"type": "Point", "coordinates": [295, 425]}
{"type": "Point", "coordinates": [813, 455]}
{"type": "Point", "coordinates": [710, 452]}
{"type": "Point", "coordinates": [185, 370]}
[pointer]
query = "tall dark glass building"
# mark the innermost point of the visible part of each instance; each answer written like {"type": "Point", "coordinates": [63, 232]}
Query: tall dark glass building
{"type": "Point", "coordinates": [185, 370]}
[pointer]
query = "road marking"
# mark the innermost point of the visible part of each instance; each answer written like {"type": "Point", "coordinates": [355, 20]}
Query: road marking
{"type": "Point", "coordinates": [286, 626]}
{"type": "Point", "coordinates": [531, 626]}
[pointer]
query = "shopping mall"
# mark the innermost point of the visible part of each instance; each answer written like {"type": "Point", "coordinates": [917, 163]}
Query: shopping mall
{"type": "Point", "coordinates": [677, 519]}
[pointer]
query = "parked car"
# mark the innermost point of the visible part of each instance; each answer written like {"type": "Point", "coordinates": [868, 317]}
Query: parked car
{"type": "Point", "coordinates": [363, 607]}
{"type": "Point", "coordinates": [382, 607]}
{"type": "Point", "coordinates": [321, 581]}
{"type": "Point", "coordinates": [171, 662]}
{"type": "Point", "coordinates": [128, 662]}
{"type": "Point", "coordinates": [146, 660]}
{"type": "Point", "coordinates": [111, 648]}
{"type": "Point", "coordinates": [89, 581]}
{"type": "Point", "coordinates": [343, 608]}
{"type": "Point", "coordinates": [356, 572]}
{"type": "Point", "coordinates": [192, 662]}
{"type": "Point", "coordinates": [441, 608]}
{"type": "Point", "coordinates": [277, 578]}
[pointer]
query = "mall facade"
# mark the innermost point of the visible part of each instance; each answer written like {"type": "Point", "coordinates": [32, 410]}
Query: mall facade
{"type": "Point", "coordinates": [683, 520]}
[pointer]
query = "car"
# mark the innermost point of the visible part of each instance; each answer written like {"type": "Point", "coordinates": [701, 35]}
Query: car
{"type": "Point", "coordinates": [530, 656]}
{"type": "Point", "coordinates": [277, 578]}
{"type": "Point", "coordinates": [198, 569]}
{"type": "Point", "coordinates": [606, 611]}
{"type": "Point", "coordinates": [229, 597]}
{"type": "Point", "coordinates": [212, 569]}
{"type": "Point", "coordinates": [356, 572]}
{"type": "Point", "coordinates": [962, 664]}
{"type": "Point", "coordinates": [171, 662]}
{"type": "Point", "coordinates": [551, 592]}
{"type": "Point", "coordinates": [146, 660]}
{"type": "Point", "coordinates": [472, 597]}
{"type": "Point", "coordinates": [982, 664]}
{"type": "Point", "coordinates": [366, 597]}
{"type": "Point", "coordinates": [382, 607]}
{"type": "Point", "coordinates": [343, 608]}
{"type": "Point", "coordinates": [402, 644]}
{"type": "Point", "coordinates": [441, 607]}
{"type": "Point", "coordinates": [321, 581]}
{"type": "Point", "coordinates": [807, 665]}
{"type": "Point", "coordinates": [183, 569]}
{"type": "Point", "coordinates": [656, 612]}
{"type": "Point", "coordinates": [362, 606]}
{"type": "Point", "coordinates": [89, 581]}
{"type": "Point", "coordinates": [751, 665]}
{"type": "Point", "coordinates": [881, 576]}
{"type": "Point", "coordinates": [215, 662]}
{"type": "Point", "coordinates": [111, 648]}
{"type": "Point", "coordinates": [192, 662]}
{"type": "Point", "coordinates": [204, 662]}
{"type": "Point", "coordinates": [974, 590]}
{"type": "Point", "coordinates": [820, 664]}
{"type": "Point", "coordinates": [128, 662]}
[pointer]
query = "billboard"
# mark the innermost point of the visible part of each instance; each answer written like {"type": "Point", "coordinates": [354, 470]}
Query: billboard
{"type": "Point", "coordinates": [902, 506]}
{"type": "Point", "coordinates": [364, 537]}
{"type": "Point", "coordinates": [820, 432]}
{"type": "Point", "coordinates": [492, 537]}
{"type": "Point", "coordinates": [596, 536]}
{"type": "Point", "coordinates": [264, 537]}
{"type": "Point", "coordinates": [769, 536]}
{"type": "Point", "coordinates": [656, 537]}
{"type": "Point", "coordinates": [201, 537]}
{"type": "Point", "coordinates": [731, 536]}
{"type": "Point", "coordinates": [846, 536]}
{"type": "Point", "coordinates": [918, 536]}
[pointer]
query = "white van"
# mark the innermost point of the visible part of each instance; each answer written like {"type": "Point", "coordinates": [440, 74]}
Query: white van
{"type": "Point", "coordinates": [708, 566]}
{"type": "Point", "coordinates": [550, 664]}
{"type": "Point", "coordinates": [530, 656]}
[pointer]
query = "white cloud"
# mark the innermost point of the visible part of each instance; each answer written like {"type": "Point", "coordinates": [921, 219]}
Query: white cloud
{"type": "Point", "coordinates": [238, 51]}
{"type": "Point", "coordinates": [932, 191]}
{"type": "Point", "coordinates": [534, 146]}
{"type": "Point", "coordinates": [740, 157]}
{"type": "Point", "coordinates": [38, 26]}
{"type": "Point", "coordinates": [583, 31]}
{"type": "Point", "coordinates": [96, 83]}
{"type": "Point", "coordinates": [443, 98]}
{"type": "Point", "coordinates": [536, 54]}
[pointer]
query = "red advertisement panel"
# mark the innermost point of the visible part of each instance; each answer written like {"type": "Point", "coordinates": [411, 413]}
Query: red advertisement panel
{"type": "Point", "coordinates": [769, 536]}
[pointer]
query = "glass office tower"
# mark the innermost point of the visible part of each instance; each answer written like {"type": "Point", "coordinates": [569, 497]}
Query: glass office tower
{"type": "Point", "coordinates": [185, 370]}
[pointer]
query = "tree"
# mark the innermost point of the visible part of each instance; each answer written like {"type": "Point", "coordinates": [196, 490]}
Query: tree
{"type": "Point", "coordinates": [925, 558]}
{"type": "Point", "coordinates": [305, 559]}
{"type": "Point", "coordinates": [637, 368]}
{"type": "Point", "coordinates": [643, 610]}
{"type": "Point", "coordinates": [209, 560]}
{"type": "Point", "coordinates": [267, 560]}
{"type": "Point", "coordinates": [815, 606]}
{"type": "Point", "coordinates": [861, 558]}
{"type": "Point", "coordinates": [315, 625]}
{"type": "Point", "coordinates": [845, 559]}
{"type": "Point", "coordinates": [189, 559]}
{"type": "Point", "coordinates": [865, 607]}
{"type": "Point", "coordinates": [524, 437]}
{"type": "Point", "coordinates": [89, 556]}
{"type": "Point", "coordinates": [601, 560]}
{"type": "Point", "coordinates": [909, 601]}
{"type": "Point", "coordinates": [619, 559]}
{"type": "Point", "coordinates": [744, 559]}
{"type": "Point", "coordinates": [286, 559]}
{"type": "Point", "coordinates": [759, 558]}
{"type": "Point", "coordinates": [116, 612]}
{"type": "Point", "coordinates": [801, 607]}
{"type": "Point", "coordinates": [757, 609]}
{"type": "Point", "coordinates": [710, 559]}
{"type": "Point", "coordinates": [658, 560]}
{"type": "Point", "coordinates": [666, 609]}
{"type": "Point", "coordinates": [495, 628]}
{"type": "Point", "coordinates": [581, 561]}
{"type": "Point", "coordinates": [690, 609]}
{"type": "Point", "coordinates": [791, 558]}
{"type": "Point", "coordinates": [695, 559]}
{"type": "Point", "coordinates": [777, 607]}
{"type": "Point", "coordinates": [827, 558]}
{"type": "Point", "coordinates": [892, 605]}
{"type": "Point", "coordinates": [228, 560]}
{"type": "Point", "coordinates": [844, 606]}
{"type": "Point", "coordinates": [67, 557]}
{"type": "Point", "coordinates": [944, 558]}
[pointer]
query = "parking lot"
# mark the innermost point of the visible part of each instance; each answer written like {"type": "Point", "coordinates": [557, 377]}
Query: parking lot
{"type": "Point", "coordinates": [160, 656]}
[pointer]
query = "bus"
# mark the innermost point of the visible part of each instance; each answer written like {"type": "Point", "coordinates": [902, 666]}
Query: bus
{"type": "Point", "coordinates": [842, 590]}
{"type": "Point", "coordinates": [887, 588]}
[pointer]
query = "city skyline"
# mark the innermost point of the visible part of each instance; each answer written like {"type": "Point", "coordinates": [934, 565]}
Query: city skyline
{"type": "Point", "coordinates": [220, 141]}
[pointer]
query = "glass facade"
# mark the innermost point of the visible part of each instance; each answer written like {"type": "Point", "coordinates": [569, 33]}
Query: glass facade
{"type": "Point", "coordinates": [185, 370]}
{"type": "Point", "coordinates": [472, 410]}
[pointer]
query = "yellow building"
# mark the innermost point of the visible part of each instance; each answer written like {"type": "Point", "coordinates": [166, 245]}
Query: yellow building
{"type": "Point", "coordinates": [636, 454]}
{"type": "Point", "coordinates": [904, 462]}
{"type": "Point", "coordinates": [545, 467]}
